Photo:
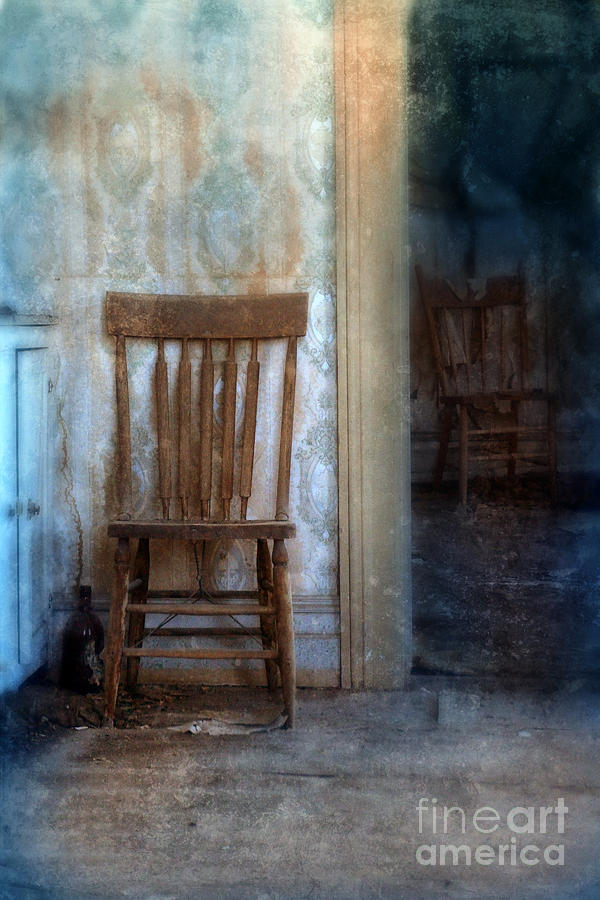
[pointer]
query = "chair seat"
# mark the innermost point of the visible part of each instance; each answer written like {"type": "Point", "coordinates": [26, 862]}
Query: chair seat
{"type": "Point", "coordinates": [202, 530]}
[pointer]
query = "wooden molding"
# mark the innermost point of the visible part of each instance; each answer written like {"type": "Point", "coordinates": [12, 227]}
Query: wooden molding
{"type": "Point", "coordinates": [373, 360]}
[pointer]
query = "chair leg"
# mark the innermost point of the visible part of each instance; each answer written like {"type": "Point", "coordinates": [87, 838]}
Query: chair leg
{"type": "Point", "coordinates": [438, 472]}
{"type": "Point", "coordinates": [463, 451]}
{"type": "Point", "coordinates": [135, 633]}
{"type": "Point", "coordinates": [285, 629]}
{"type": "Point", "coordinates": [116, 630]}
{"type": "Point", "coordinates": [264, 575]}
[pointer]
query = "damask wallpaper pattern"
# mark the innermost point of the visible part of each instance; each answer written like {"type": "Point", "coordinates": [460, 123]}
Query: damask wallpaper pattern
{"type": "Point", "coordinates": [175, 146]}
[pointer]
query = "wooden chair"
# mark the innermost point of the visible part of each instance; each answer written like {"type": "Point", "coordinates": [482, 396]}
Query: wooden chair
{"type": "Point", "coordinates": [206, 319]}
{"type": "Point", "coordinates": [480, 348]}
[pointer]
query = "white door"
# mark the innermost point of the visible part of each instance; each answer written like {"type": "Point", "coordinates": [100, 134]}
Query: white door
{"type": "Point", "coordinates": [31, 403]}
{"type": "Point", "coordinates": [9, 631]}
{"type": "Point", "coordinates": [23, 467]}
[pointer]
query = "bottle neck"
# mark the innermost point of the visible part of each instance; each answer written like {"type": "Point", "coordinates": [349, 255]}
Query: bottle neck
{"type": "Point", "coordinates": [85, 597]}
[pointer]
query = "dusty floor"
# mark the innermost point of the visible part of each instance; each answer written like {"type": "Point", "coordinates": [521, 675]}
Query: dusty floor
{"type": "Point", "coordinates": [325, 811]}
{"type": "Point", "coordinates": [509, 585]}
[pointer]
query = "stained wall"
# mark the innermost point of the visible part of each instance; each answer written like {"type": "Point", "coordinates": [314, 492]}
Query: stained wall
{"type": "Point", "coordinates": [178, 146]}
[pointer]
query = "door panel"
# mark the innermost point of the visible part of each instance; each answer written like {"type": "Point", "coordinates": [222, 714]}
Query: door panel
{"type": "Point", "coordinates": [9, 635]}
{"type": "Point", "coordinates": [31, 403]}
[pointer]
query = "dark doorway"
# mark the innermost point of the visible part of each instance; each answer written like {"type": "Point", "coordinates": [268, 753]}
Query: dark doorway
{"type": "Point", "coordinates": [504, 163]}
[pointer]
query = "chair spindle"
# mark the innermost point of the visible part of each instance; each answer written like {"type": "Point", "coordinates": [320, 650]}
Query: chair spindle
{"type": "Point", "coordinates": [445, 318]}
{"type": "Point", "coordinates": [123, 428]}
{"type": "Point", "coordinates": [482, 327]}
{"type": "Point", "coordinates": [164, 434]}
{"type": "Point", "coordinates": [523, 339]}
{"type": "Point", "coordinates": [287, 424]}
{"type": "Point", "coordinates": [185, 392]}
{"type": "Point", "coordinates": [249, 436]}
{"type": "Point", "coordinates": [502, 363]}
{"type": "Point", "coordinates": [229, 397]}
{"type": "Point", "coordinates": [433, 330]}
{"type": "Point", "coordinates": [467, 345]}
{"type": "Point", "coordinates": [207, 387]}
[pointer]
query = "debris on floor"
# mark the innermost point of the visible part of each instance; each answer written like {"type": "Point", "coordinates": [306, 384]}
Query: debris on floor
{"type": "Point", "coordinates": [328, 811]}
{"type": "Point", "coordinates": [215, 722]}
{"type": "Point", "coordinates": [39, 710]}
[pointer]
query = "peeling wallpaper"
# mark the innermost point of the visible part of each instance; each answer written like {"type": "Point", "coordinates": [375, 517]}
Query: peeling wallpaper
{"type": "Point", "coordinates": [173, 146]}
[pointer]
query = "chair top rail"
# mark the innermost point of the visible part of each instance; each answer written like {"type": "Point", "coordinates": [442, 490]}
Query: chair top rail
{"type": "Point", "coordinates": [485, 302]}
{"type": "Point", "coordinates": [500, 290]}
{"type": "Point", "coordinates": [198, 316]}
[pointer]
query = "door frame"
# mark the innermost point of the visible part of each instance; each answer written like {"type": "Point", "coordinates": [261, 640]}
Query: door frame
{"type": "Point", "coordinates": [372, 343]}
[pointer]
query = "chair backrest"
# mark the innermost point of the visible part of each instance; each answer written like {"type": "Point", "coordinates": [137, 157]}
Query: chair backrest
{"type": "Point", "coordinates": [479, 342]}
{"type": "Point", "coordinates": [208, 320]}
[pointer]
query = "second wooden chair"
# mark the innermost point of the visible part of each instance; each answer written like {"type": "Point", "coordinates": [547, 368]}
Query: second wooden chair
{"type": "Point", "coordinates": [480, 349]}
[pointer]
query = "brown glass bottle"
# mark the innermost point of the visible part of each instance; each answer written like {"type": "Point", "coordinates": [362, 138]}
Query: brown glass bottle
{"type": "Point", "coordinates": [83, 641]}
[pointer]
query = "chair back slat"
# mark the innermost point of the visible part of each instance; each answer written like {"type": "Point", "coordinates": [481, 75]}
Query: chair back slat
{"type": "Point", "coordinates": [287, 425]}
{"type": "Point", "coordinates": [427, 295]}
{"type": "Point", "coordinates": [123, 429]}
{"type": "Point", "coordinates": [524, 345]}
{"type": "Point", "coordinates": [500, 314]}
{"type": "Point", "coordinates": [229, 398]}
{"type": "Point", "coordinates": [210, 321]}
{"type": "Point", "coordinates": [483, 353]}
{"type": "Point", "coordinates": [184, 419]}
{"type": "Point", "coordinates": [449, 343]}
{"type": "Point", "coordinates": [207, 389]}
{"type": "Point", "coordinates": [163, 429]}
{"type": "Point", "coordinates": [467, 345]}
{"type": "Point", "coordinates": [249, 434]}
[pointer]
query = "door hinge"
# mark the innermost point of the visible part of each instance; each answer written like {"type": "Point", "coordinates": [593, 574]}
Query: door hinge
{"type": "Point", "coordinates": [33, 509]}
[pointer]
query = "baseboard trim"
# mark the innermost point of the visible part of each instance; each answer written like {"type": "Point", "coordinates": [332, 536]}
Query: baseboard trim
{"type": "Point", "coordinates": [305, 605]}
{"type": "Point", "coordinates": [324, 678]}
